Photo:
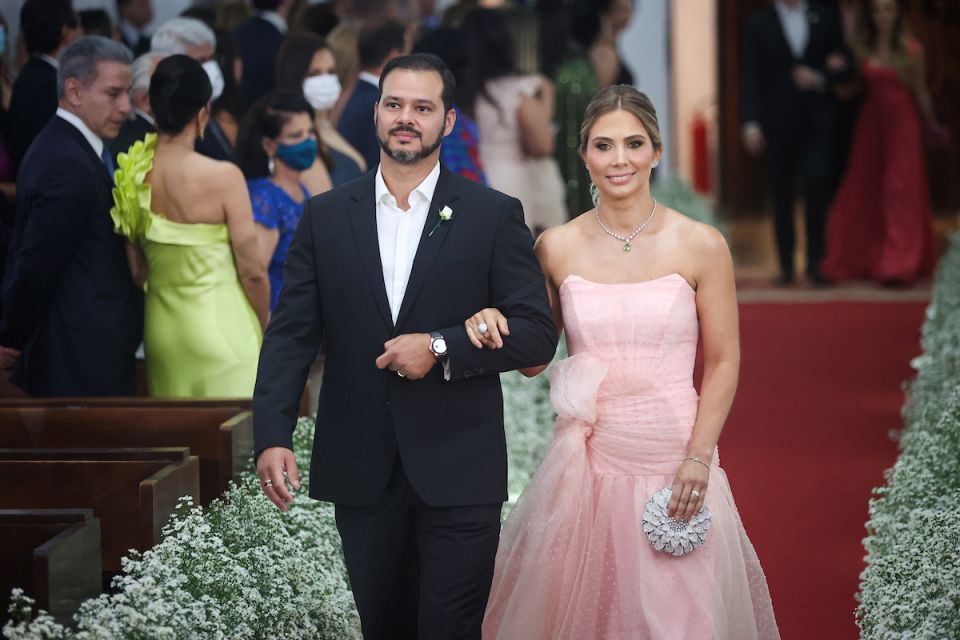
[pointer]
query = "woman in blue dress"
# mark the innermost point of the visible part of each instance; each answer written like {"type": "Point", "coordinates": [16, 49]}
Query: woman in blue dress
{"type": "Point", "coordinates": [274, 169]}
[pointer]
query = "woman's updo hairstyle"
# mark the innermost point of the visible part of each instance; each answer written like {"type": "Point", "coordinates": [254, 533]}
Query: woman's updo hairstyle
{"type": "Point", "coordinates": [179, 89]}
{"type": "Point", "coordinates": [616, 98]}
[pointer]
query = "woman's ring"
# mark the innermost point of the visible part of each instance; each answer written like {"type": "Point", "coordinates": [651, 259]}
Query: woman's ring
{"type": "Point", "coordinates": [401, 373]}
{"type": "Point", "coordinates": [268, 483]}
{"type": "Point", "coordinates": [694, 494]}
{"type": "Point", "coordinates": [482, 328]}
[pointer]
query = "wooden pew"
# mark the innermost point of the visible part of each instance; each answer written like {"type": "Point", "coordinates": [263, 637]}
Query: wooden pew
{"type": "Point", "coordinates": [132, 491]}
{"type": "Point", "coordinates": [219, 432]}
{"type": "Point", "coordinates": [53, 555]}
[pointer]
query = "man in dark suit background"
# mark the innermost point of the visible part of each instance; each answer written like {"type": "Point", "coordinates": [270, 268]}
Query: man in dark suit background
{"type": "Point", "coordinates": [133, 16]}
{"type": "Point", "coordinates": [409, 441]}
{"type": "Point", "coordinates": [72, 316]}
{"type": "Point", "coordinates": [140, 122]}
{"type": "Point", "coordinates": [376, 46]}
{"type": "Point", "coordinates": [47, 26]}
{"type": "Point", "coordinates": [259, 39]}
{"type": "Point", "coordinates": [786, 107]}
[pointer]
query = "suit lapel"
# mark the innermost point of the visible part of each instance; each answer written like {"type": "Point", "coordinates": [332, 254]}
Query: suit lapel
{"type": "Point", "coordinates": [363, 221]}
{"type": "Point", "coordinates": [445, 194]}
{"type": "Point", "coordinates": [73, 132]}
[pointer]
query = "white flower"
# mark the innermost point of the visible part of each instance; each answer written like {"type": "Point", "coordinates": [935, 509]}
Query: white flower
{"type": "Point", "coordinates": [446, 213]}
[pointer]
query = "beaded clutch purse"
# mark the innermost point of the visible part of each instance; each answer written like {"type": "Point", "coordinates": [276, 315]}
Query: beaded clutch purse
{"type": "Point", "coordinates": [669, 535]}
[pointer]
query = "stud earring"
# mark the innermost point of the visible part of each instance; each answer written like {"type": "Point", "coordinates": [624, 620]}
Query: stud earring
{"type": "Point", "coordinates": [655, 163]}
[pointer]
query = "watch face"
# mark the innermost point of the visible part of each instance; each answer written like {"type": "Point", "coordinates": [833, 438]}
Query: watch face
{"type": "Point", "coordinates": [439, 346]}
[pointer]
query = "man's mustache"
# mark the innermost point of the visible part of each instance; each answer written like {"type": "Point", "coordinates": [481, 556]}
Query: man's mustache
{"type": "Point", "coordinates": [405, 129]}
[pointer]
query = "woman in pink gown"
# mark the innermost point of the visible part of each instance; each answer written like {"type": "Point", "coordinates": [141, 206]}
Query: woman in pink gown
{"type": "Point", "coordinates": [632, 284]}
{"type": "Point", "coordinates": [880, 225]}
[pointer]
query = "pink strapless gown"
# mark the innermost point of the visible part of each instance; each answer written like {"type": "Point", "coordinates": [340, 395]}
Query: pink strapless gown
{"type": "Point", "coordinates": [573, 561]}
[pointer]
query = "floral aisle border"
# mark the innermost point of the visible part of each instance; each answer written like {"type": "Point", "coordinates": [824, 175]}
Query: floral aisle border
{"type": "Point", "coordinates": [911, 585]}
{"type": "Point", "coordinates": [240, 569]}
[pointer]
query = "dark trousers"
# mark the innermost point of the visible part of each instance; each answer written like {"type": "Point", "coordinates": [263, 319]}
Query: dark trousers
{"type": "Point", "coordinates": [804, 152]}
{"type": "Point", "coordinates": [419, 572]}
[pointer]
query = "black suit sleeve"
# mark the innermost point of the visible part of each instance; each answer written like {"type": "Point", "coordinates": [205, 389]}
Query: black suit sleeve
{"type": "Point", "coordinates": [517, 289]}
{"type": "Point", "coordinates": [290, 345]}
{"type": "Point", "coordinates": [58, 211]}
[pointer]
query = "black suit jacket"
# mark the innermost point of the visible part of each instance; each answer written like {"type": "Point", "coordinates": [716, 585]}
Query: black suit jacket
{"type": "Point", "coordinates": [448, 434]}
{"type": "Point", "coordinates": [356, 122]}
{"type": "Point", "coordinates": [258, 41]}
{"type": "Point", "coordinates": [214, 143]}
{"type": "Point", "coordinates": [32, 104]}
{"type": "Point", "coordinates": [133, 129]}
{"type": "Point", "coordinates": [69, 302]}
{"type": "Point", "coordinates": [767, 92]}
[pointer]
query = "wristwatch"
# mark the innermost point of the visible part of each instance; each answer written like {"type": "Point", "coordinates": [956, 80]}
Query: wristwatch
{"type": "Point", "coordinates": [438, 346]}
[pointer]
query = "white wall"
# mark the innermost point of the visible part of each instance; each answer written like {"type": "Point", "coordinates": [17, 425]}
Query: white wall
{"type": "Point", "coordinates": [645, 47]}
{"type": "Point", "coordinates": [163, 10]}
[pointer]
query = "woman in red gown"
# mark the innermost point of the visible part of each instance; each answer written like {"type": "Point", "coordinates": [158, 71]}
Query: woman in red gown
{"type": "Point", "coordinates": [880, 225]}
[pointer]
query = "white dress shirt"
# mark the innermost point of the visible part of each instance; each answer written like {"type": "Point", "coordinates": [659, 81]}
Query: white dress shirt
{"type": "Point", "coordinates": [795, 27]}
{"type": "Point", "coordinates": [399, 232]}
{"type": "Point", "coordinates": [91, 137]}
{"type": "Point", "coordinates": [369, 78]}
{"type": "Point", "coordinates": [275, 19]}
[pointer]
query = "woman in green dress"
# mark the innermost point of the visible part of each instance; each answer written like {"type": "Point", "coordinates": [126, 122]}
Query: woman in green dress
{"type": "Point", "coordinates": [193, 245]}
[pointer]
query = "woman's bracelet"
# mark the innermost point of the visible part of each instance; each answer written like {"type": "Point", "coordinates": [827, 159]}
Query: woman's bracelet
{"type": "Point", "coordinates": [698, 459]}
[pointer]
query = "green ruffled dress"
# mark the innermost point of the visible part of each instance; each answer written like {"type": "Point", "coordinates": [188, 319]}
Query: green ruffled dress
{"type": "Point", "coordinates": [201, 336]}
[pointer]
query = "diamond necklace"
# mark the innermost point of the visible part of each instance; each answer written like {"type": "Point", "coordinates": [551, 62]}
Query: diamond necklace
{"type": "Point", "coordinates": [626, 240]}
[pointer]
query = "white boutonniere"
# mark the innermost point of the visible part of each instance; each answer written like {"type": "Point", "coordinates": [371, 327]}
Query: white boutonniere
{"type": "Point", "coordinates": [446, 214]}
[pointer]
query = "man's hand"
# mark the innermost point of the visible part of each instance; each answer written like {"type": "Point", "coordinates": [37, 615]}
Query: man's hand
{"type": "Point", "coordinates": [753, 139]}
{"type": "Point", "coordinates": [276, 466]}
{"type": "Point", "coordinates": [8, 357]}
{"type": "Point", "coordinates": [408, 355]}
{"type": "Point", "coordinates": [806, 79]}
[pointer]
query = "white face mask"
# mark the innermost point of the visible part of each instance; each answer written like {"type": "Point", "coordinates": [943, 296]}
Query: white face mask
{"type": "Point", "coordinates": [216, 78]}
{"type": "Point", "coordinates": [322, 91]}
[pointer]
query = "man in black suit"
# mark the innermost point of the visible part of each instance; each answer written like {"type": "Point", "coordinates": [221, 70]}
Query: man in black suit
{"type": "Point", "coordinates": [133, 16]}
{"type": "Point", "coordinates": [72, 316]}
{"type": "Point", "coordinates": [409, 440]}
{"type": "Point", "coordinates": [786, 107]}
{"type": "Point", "coordinates": [376, 46]}
{"type": "Point", "coordinates": [140, 122]}
{"type": "Point", "coordinates": [47, 27]}
{"type": "Point", "coordinates": [259, 39]}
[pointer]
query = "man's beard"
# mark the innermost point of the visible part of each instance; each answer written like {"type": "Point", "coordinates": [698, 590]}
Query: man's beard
{"type": "Point", "coordinates": [409, 157]}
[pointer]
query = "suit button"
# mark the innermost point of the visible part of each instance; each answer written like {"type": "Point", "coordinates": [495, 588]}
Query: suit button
{"type": "Point", "coordinates": [389, 406]}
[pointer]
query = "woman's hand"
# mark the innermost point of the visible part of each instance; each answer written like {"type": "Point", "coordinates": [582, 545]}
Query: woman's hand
{"type": "Point", "coordinates": [486, 328]}
{"type": "Point", "coordinates": [689, 490]}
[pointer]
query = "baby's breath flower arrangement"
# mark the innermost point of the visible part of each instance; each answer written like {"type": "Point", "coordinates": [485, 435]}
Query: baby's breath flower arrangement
{"type": "Point", "coordinates": [910, 588]}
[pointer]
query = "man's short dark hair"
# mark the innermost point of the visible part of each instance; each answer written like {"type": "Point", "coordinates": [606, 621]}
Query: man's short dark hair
{"type": "Point", "coordinates": [376, 42]}
{"type": "Point", "coordinates": [423, 62]}
{"type": "Point", "coordinates": [42, 23]}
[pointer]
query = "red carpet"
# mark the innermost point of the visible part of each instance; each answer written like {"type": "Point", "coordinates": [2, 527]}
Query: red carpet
{"type": "Point", "coordinates": [820, 389]}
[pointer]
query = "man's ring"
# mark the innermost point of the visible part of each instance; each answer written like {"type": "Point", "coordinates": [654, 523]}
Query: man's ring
{"type": "Point", "coordinates": [268, 483]}
{"type": "Point", "coordinates": [694, 494]}
{"type": "Point", "coordinates": [401, 373]}
{"type": "Point", "coordinates": [482, 328]}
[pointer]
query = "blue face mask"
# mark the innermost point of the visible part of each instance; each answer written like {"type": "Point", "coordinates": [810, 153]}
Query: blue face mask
{"type": "Point", "coordinates": [3, 39]}
{"type": "Point", "coordinates": [299, 156]}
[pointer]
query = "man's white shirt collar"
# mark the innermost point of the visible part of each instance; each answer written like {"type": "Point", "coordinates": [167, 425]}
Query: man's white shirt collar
{"type": "Point", "coordinates": [81, 126]}
{"type": "Point", "coordinates": [130, 33]}
{"type": "Point", "coordinates": [370, 78]}
{"type": "Point", "coordinates": [275, 19]}
{"type": "Point", "coordinates": [146, 116]}
{"type": "Point", "coordinates": [53, 62]}
{"type": "Point", "coordinates": [424, 190]}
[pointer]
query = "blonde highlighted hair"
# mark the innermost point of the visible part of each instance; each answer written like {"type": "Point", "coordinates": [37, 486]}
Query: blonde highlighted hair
{"type": "Point", "coordinates": [621, 97]}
